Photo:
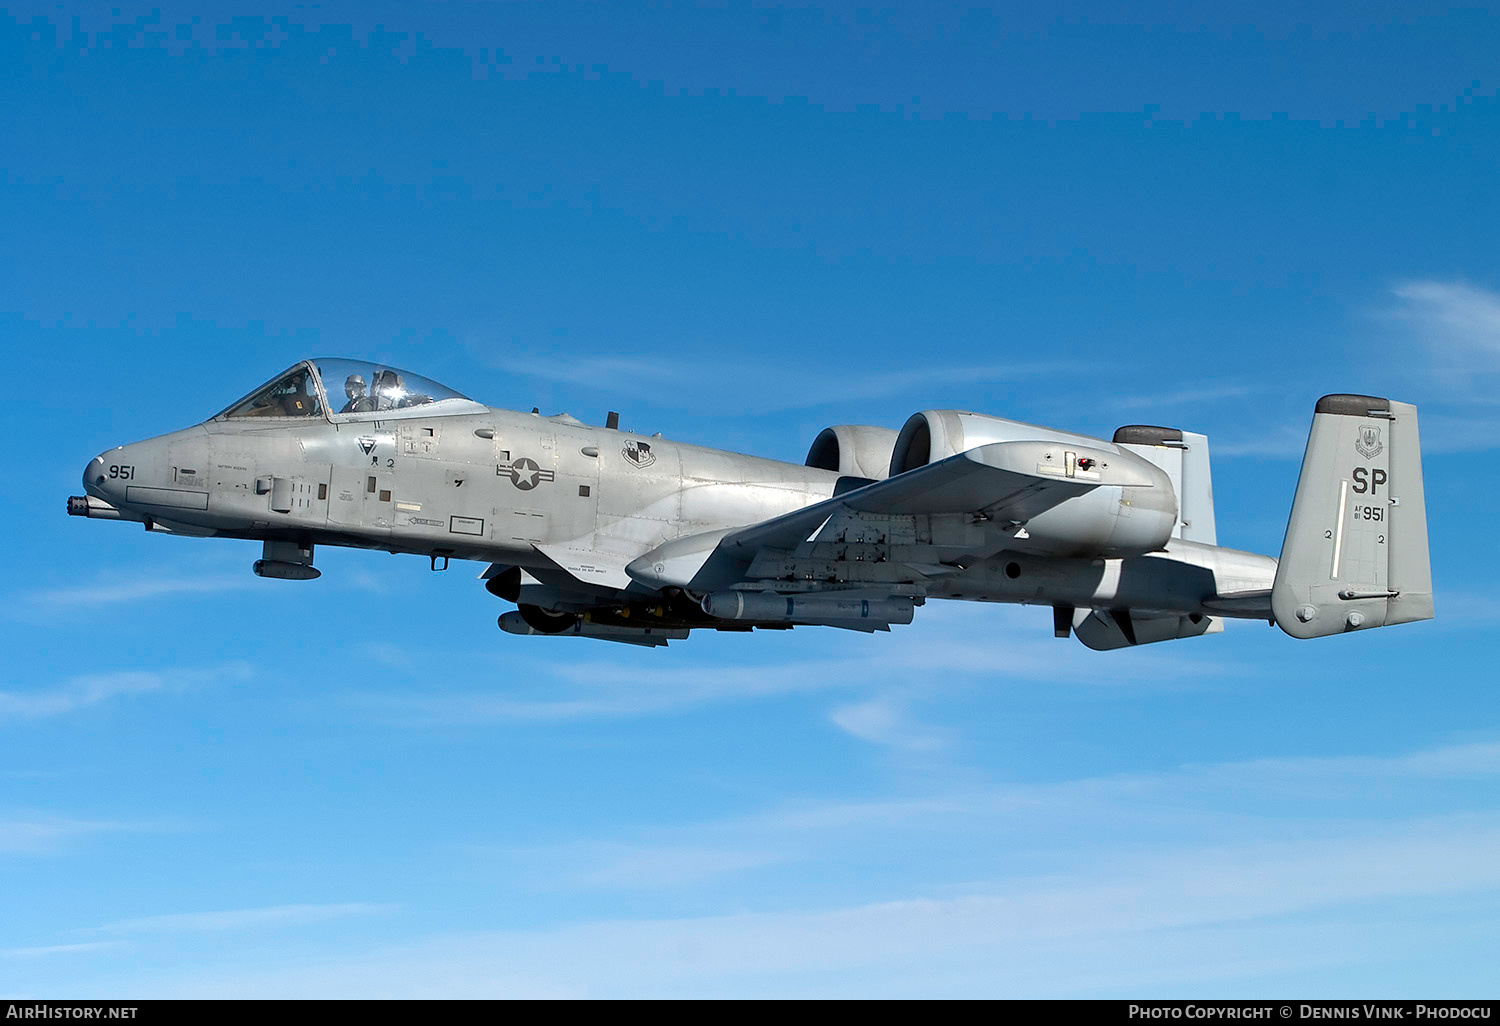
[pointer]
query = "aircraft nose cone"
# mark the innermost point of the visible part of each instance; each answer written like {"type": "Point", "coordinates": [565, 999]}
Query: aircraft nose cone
{"type": "Point", "coordinates": [96, 476]}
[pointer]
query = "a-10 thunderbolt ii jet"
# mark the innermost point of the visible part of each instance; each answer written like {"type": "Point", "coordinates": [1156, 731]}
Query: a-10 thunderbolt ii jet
{"type": "Point", "coordinates": [601, 533]}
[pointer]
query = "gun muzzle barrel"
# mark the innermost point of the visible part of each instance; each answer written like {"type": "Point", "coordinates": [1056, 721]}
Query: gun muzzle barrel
{"type": "Point", "coordinates": [89, 506]}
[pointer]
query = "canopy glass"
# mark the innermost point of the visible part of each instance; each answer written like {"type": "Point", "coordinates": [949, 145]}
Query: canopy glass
{"type": "Point", "coordinates": [345, 388]}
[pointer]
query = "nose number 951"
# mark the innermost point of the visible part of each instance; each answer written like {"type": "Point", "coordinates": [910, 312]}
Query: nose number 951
{"type": "Point", "coordinates": [122, 471]}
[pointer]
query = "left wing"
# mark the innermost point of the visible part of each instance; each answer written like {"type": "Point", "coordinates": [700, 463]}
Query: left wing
{"type": "Point", "coordinates": [876, 524]}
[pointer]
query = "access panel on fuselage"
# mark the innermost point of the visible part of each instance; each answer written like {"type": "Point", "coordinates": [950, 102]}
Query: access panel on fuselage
{"type": "Point", "coordinates": [279, 478]}
{"type": "Point", "coordinates": [363, 479]}
{"type": "Point", "coordinates": [443, 492]}
{"type": "Point", "coordinates": [547, 480]}
{"type": "Point", "coordinates": [640, 493]}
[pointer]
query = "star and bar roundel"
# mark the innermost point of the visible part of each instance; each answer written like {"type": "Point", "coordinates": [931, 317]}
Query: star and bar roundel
{"type": "Point", "coordinates": [524, 473]}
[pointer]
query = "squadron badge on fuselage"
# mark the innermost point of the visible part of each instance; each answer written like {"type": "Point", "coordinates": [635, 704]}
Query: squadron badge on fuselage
{"type": "Point", "coordinates": [638, 453]}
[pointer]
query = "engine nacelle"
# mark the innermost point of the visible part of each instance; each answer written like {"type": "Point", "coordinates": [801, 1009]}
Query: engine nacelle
{"type": "Point", "coordinates": [853, 450]}
{"type": "Point", "coordinates": [934, 435]}
{"type": "Point", "coordinates": [1108, 521]}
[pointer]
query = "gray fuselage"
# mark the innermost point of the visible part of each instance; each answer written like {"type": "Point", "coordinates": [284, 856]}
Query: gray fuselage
{"type": "Point", "coordinates": [491, 485]}
{"type": "Point", "coordinates": [570, 502]}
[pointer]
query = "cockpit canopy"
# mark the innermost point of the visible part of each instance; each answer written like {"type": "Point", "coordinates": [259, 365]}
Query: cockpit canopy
{"type": "Point", "coordinates": [340, 389]}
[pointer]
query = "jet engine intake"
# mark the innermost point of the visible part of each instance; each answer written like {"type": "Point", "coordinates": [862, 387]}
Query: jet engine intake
{"type": "Point", "coordinates": [934, 435]}
{"type": "Point", "coordinates": [853, 450]}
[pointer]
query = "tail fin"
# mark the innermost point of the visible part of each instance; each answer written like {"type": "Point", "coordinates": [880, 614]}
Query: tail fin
{"type": "Point", "coordinates": [1183, 455]}
{"type": "Point", "coordinates": [1355, 553]}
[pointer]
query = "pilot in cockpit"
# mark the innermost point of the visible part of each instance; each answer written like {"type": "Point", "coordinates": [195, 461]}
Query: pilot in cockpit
{"type": "Point", "coordinates": [354, 389]}
{"type": "Point", "coordinates": [386, 390]}
{"type": "Point", "coordinates": [300, 401]}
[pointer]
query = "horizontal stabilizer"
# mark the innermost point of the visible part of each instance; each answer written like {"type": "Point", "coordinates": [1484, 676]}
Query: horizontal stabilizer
{"type": "Point", "coordinates": [1244, 605]}
{"type": "Point", "coordinates": [1107, 629]}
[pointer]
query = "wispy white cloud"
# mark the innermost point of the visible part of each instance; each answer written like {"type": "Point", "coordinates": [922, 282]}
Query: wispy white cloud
{"type": "Point", "coordinates": [1281, 442]}
{"type": "Point", "coordinates": [1467, 610]}
{"type": "Point", "coordinates": [955, 642]}
{"type": "Point", "coordinates": [1458, 322]}
{"type": "Point", "coordinates": [40, 835]}
{"type": "Point", "coordinates": [140, 930]}
{"type": "Point", "coordinates": [389, 654]}
{"type": "Point", "coordinates": [606, 373]}
{"type": "Point", "coordinates": [1476, 760]}
{"type": "Point", "coordinates": [697, 853]}
{"type": "Point", "coordinates": [645, 866]}
{"type": "Point", "coordinates": [1014, 643]}
{"type": "Point", "coordinates": [557, 691]}
{"type": "Point", "coordinates": [111, 592]}
{"type": "Point", "coordinates": [59, 949]}
{"type": "Point", "coordinates": [92, 689]}
{"type": "Point", "coordinates": [373, 583]}
{"type": "Point", "coordinates": [1178, 918]}
{"type": "Point", "coordinates": [692, 383]}
{"type": "Point", "coordinates": [77, 693]}
{"type": "Point", "coordinates": [1461, 428]}
{"type": "Point", "coordinates": [1131, 808]}
{"type": "Point", "coordinates": [1182, 397]}
{"type": "Point", "coordinates": [1192, 911]}
{"type": "Point", "coordinates": [605, 690]}
{"type": "Point", "coordinates": [239, 919]}
{"type": "Point", "coordinates": [886, 721]}
{"type": "Point", "coordinates": [1304, 778]}
{"type": "Point", "coordinates": [873, 385]}
{"type": "Point", "coordinates": [1454, 328]}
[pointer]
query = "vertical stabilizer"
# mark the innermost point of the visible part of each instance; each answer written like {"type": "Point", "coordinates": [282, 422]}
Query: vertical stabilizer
{"type": "Point", "coordinates": [1355, 554]}
{"type": "Point", "coordinates": [1183, 455]}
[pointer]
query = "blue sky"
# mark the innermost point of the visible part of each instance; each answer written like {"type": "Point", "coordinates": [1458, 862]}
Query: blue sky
{"type": "Point", "coordinates": [738, 224]}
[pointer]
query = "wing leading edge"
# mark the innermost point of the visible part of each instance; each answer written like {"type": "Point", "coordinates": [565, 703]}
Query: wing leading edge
{"type": "Point", "coordinates": [1007, 482]}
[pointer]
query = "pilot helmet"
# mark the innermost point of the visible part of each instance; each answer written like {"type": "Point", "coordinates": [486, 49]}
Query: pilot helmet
{"type": "Point", "coordinates": [354, 385]}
